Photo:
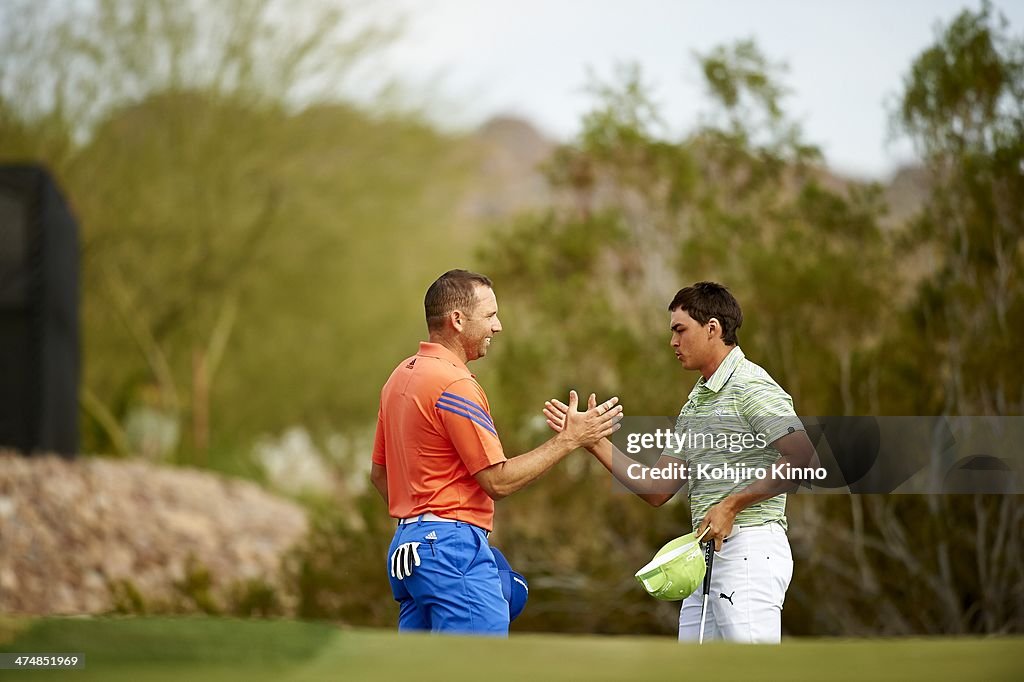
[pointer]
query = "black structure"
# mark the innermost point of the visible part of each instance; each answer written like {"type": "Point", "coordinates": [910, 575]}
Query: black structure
{"type": "Point", "coordinates": [39, 350]}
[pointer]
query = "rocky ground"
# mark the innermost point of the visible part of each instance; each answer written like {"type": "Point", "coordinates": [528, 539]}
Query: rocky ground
{"type": "Point", "coordinates": [74, 533]}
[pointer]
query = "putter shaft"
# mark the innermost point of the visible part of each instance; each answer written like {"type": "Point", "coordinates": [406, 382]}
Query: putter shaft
{"type": "Point", "coordinates": [709, 561]}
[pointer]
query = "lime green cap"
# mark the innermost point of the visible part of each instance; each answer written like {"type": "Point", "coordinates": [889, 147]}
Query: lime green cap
{"type": "Point", "coordinates": [676, 570]}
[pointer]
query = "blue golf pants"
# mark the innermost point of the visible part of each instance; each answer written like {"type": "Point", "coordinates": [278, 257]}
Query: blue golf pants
{"type": "Point", "coordinates": [456, 588]}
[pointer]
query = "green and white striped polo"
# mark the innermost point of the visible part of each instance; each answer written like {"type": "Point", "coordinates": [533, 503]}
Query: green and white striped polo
{"type": "Point", "coordinates": [736, 405]}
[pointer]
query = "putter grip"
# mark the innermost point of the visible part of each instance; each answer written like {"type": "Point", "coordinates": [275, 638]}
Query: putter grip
{"type": "Point", "coordinates": [709, 560]}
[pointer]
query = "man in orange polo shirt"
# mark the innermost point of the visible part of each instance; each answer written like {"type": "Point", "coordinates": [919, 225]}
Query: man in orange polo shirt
{"type": "Point", "coordinates": [439, 465]}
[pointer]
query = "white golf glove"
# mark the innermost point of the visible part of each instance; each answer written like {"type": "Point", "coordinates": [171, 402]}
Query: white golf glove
{"type": "Point", "coordinates": [403, 559]}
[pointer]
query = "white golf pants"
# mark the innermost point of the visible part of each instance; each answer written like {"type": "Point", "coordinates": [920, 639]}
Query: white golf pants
{"type": "Point", "coordinates": [748, 585]}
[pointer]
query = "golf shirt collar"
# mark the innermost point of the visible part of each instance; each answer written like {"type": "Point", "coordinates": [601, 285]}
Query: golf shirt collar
{"type": "Point", "coordinates": [436, 350]}
{"type": "Point", "coordinates": [725, 370]}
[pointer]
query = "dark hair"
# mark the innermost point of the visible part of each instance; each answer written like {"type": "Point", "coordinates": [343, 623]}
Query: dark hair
{"type": "Point", "coordinates": [454, 290]}
{"type": "Point", "coordinates": [705, 300]}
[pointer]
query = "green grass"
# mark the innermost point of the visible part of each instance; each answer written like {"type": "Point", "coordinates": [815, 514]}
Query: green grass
{"type": "Point", "coordinates": [145, 649]}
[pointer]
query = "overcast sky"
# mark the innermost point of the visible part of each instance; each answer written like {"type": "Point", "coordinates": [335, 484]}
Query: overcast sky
{"type": "Point", "coordinates": [530, 58]}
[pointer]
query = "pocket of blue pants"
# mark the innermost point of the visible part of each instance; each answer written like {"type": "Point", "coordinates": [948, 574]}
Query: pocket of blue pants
{"type": "Point", "coordinates": [398, 588]}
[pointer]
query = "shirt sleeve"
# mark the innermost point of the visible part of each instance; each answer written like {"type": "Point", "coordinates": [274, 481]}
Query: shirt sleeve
{"type": "Point", "coordinates": [379, 440]}
{"type": "Point", "coordinates": [466, 418]}
{"type": "Point", "coordinates": [769, 411]}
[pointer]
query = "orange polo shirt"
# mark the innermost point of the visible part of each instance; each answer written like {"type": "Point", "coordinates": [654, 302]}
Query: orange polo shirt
{"type": "Point", "coordinates": [434, 431]}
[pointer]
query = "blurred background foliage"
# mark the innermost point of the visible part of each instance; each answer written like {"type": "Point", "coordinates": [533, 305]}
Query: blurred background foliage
{"type": "Point", "coordinates": [256, 248]}
{"type": "Point", "coordinates": [242, 230]}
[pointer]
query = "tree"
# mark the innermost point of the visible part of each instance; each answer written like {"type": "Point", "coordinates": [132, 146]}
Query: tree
{"type": "Point", "coordinates": [243, 228]}
{"type": "Point", "coordinates": [744, 201]}
{"type": "Point", "coordinates": [963, 108]}
{"type": "Point", "coordinates": [953, 560]}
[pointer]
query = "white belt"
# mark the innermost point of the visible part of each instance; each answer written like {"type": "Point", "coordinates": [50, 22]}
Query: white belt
{"type": "Point", "coordinates": [770, 527]}
{"type": "Point", "coordinates": [429, 516]}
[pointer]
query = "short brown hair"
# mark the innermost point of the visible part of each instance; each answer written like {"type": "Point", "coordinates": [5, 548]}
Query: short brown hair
{"type": "Point", "coordinates": [454, 290]}
{"type": "Point", "coordinates": [705, 300]}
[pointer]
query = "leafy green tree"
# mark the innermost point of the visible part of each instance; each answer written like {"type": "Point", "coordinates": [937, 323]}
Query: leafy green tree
{"type": "Point", "coordinates": [253, 249]}
{"type": "Point", "coordinates": [948, 564]}
{"type": "Point", "coordinates": [642, 216]}
{"type": "Point", "coordinates": [963, 108]}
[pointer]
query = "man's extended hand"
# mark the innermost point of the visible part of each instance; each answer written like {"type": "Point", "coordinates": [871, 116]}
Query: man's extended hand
{"type": "Point", "coordinates": [720, 519]}
{"type": "Point", "coordinates": [555, 411]}
{"type": "Point", "coordinates": [584, 428]}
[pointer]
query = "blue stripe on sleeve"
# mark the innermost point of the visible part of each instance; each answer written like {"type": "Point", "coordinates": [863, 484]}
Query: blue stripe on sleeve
{"type": "Point", "coordinates": [468, 405]}
{"type": "Point", "coordinates": [468, 415]}
{"type": "Point", "coordinates": [459, 408]}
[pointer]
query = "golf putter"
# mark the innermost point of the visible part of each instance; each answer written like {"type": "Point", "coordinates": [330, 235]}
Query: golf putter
{"type": "Point", "coordinates": [709, 560]}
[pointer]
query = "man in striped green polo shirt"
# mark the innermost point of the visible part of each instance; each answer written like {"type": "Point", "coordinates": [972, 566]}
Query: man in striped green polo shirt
{"type": "Point", "coordinates": [740, 439]}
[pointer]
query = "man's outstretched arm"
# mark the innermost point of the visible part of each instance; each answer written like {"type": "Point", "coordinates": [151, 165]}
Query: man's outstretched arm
{"type": "Point", "coordinates": [653, 492]}
{"type": "Point", "coordinates": [581, 429]}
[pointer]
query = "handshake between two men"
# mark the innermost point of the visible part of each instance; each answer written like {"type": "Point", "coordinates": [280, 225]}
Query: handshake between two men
{"type": "Point", "coordinates": [576, 429]}
{"type": "Point", "coordinates": [439, 464]}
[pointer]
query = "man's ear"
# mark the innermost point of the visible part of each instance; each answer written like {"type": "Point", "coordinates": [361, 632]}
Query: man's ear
{"type": "Point", "coordinates": [456, 319]}
{"type": "Point", "coordinates": [714, 327]}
